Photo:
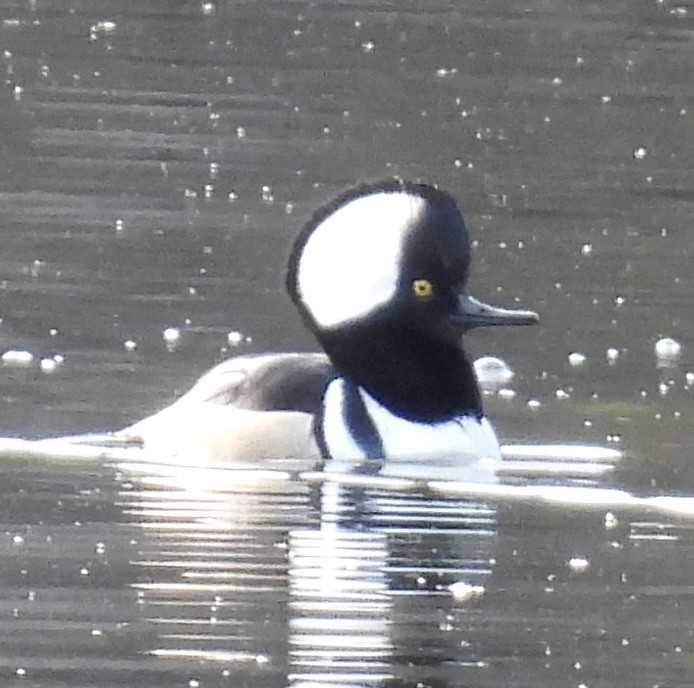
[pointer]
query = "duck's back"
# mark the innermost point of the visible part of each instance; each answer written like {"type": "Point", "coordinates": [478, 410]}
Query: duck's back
{"type": "Point", "coordinates": [266, 382]}
{"type": "Point", "coordinates": [245, 409]}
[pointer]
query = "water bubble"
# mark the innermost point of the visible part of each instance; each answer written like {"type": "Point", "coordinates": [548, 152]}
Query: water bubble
{"type": "Point", "coordinates": [48, 365]}
{"type": "Point", "coordinates": [463, 591]}
{"type": "Point", "coordinates": [105, 26]}
{"type": "Point", "coordinates": [610, 520]}
{"type": "Point", "coordinates": [579, 564]}
{"type": "Point", "coordinates": [101, 28]}
{"type": "Point", "coordinates": [36, 267]}
{"type": "Point", "coordinates": [18, 358]}
{"type": "Point", "coordinates": [492, 371]}
{"type": "Point", "coordinates": [612, 355]}
{"type": "Point", "coordinates": [576, 359]}
{"type": "Point", "coordinates": [235, 338]}
{"type": "Point", "coordinates": [172, 334]}
{"type": "Point", "coordinates": [667, 350]}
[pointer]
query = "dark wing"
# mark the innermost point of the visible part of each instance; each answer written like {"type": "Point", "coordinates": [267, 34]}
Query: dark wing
{"type": "Point", "coordinates": [268, 382]}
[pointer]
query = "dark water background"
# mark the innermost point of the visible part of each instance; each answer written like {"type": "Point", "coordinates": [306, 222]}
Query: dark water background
{"type": "Point", "coordinates": [156, 159]}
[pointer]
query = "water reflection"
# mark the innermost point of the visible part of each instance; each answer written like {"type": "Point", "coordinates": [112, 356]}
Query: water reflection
{"type": "Point", "coordinates": [340, 630]}
{"type": "Point", "coordinates": [211, 565]}
{"type": "Point", "coordinates": [255, 575]}
{"type": "Point", "coordinates": [370, 587]}
{"type": "Point", "coordinates": [169, 575]}
{"type": "Point", "coordinates": [241, 574]}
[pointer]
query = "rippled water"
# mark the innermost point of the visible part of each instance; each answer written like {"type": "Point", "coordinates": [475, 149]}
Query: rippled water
{"type": "Point", "coordinates": [192, 577]}
{"type": "Point", "coordinates": [157, 160]}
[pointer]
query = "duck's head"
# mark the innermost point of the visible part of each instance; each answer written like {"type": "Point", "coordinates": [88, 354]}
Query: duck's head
{"type": "Point", "coordinates": [392, 254]}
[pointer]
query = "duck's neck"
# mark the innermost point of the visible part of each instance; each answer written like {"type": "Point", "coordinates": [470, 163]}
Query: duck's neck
{"type": "Point", "coordinates": [413, 376]}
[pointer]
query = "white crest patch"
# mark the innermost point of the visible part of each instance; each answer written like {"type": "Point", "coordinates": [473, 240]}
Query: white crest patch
{"type": "Point", "coordinates": [350, 264]}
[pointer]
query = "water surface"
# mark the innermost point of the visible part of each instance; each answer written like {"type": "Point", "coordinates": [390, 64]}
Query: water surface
{"type": "Point", "coordinates": [158, 159]}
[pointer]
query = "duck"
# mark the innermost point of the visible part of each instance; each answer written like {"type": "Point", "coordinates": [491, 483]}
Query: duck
{"type": "Point", "coordinates": [379, 276]}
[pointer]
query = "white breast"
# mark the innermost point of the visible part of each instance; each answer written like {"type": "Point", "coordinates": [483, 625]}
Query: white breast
{"type": "Point", "coordinates": [460, 441]}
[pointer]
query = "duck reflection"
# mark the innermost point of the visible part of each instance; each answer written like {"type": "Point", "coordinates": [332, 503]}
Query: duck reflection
{"type": "Point", "coordinates": [373, 588]}
{"type": "Point", "coordinates": [260, 579]}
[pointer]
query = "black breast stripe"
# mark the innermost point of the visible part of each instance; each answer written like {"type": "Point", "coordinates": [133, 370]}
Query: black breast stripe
{"type": "Point", "coordinates": [319, 433]}
{"type": "Point", "coordinates": [360, 424]}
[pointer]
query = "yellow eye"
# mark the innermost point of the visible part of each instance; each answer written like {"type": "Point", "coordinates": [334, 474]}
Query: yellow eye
{"type": "Point", "coordinates": [422, 288]}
